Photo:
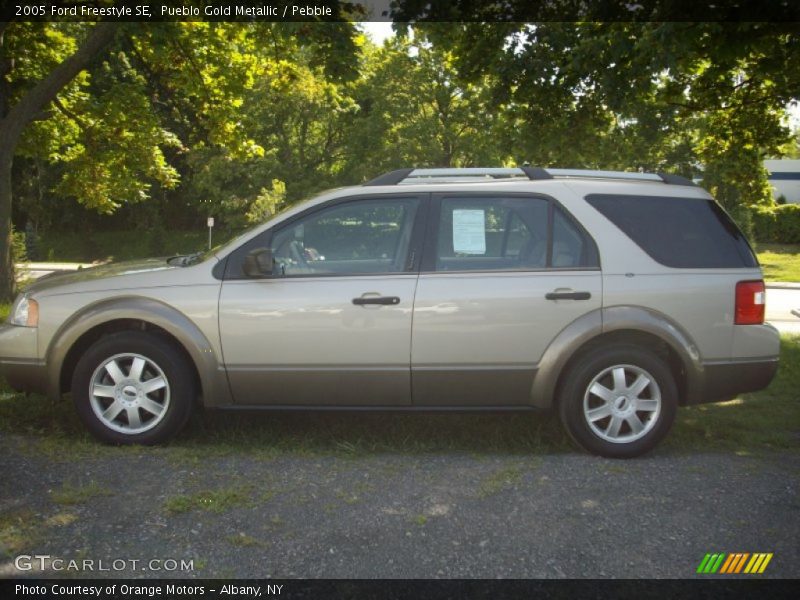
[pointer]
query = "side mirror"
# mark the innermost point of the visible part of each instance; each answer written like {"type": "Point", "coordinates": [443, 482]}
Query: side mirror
{"type": "Point", "coordinates": [258, 263]}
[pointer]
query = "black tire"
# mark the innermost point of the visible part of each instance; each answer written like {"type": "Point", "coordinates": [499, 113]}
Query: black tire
{"type": "Point", "coordinates": [161, 359]}
{"type": "Point", "coordinates": [634, 361]}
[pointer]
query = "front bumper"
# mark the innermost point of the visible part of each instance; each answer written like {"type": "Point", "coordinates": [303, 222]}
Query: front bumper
{"type": "Point", "coordinates": [19, 361]}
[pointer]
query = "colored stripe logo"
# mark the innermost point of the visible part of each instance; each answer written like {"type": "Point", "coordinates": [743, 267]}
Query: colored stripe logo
{"type": "Point", "coordinates": [735, 563]}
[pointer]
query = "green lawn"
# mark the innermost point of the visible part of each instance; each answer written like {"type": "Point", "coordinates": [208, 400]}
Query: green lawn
{"type": "Point", "coordinates": [781, 262]}
{"type": "Point", "coordinates": [763, 421]}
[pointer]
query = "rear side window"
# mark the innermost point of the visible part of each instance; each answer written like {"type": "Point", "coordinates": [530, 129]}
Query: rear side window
{"type": "Point", "coordinates": [496, 233]}
{"type": "Point", "coordinates": [689, 233]}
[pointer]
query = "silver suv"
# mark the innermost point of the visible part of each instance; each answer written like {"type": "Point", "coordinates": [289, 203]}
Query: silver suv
{"type": "Point", "coordinates": [612, 297]}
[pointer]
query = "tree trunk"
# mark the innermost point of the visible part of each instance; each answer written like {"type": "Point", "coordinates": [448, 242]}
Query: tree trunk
{"type": "Point", "coordinates": [15, 119]}
{"type": "Point", "coordinates": [7, 281]}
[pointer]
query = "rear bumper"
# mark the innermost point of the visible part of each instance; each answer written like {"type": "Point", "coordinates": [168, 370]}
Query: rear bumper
{"type": "Point", "coordinates": [19, 363]}
{"type": "Point", "coordinates": [726, 380]}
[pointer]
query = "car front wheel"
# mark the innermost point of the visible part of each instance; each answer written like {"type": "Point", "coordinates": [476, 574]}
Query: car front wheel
{"type": "Point", "coordinates": [133, 388]}
{"type": "Point", "coordinates": [618, 401]}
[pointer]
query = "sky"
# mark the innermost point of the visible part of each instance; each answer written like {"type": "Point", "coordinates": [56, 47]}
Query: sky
{"type": "Point", "coordinates": [377, 30]}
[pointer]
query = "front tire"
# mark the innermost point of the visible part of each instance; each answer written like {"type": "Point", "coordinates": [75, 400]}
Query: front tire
{"type": "Point", "coordinates": [618, 401]}
{"type": "Point", "coordinates": [133, 388]}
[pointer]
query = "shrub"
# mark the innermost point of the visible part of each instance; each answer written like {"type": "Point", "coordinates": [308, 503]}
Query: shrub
{"type": "Point", "coordinates": [777, 224]}
{"type": "Point", "coordinates": [18, 251]}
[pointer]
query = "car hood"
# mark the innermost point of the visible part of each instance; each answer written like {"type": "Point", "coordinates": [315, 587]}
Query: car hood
{"type": "Point", "coordinates": [61, 278]}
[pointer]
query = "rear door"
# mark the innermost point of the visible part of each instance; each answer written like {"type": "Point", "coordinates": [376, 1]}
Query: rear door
{"type": "Point", "coordinates": [332, 325]}
{"type": "Point", "coordinates": [502, 275]}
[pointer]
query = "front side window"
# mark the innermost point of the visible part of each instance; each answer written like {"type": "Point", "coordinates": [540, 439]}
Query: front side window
{"type": "Point", "coordinates": [359, 237]}
{"type": "Point", "coordinates": [496, 233]}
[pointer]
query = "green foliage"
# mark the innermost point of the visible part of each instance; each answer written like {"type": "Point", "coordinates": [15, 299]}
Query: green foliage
{"type": "Point", "coordinates": [414, 110]}
{"type": "Point", "coordinates": [743, 216]}
{"type": "Point", "coordinates": [777, 224]}
{"type": "Point", "coordinates": [267, 203]}
{"type": "Point", "coordinates": [179, 121]}
{"type": "Point", "coordinates": [19, 252]}
{"type": "Point", "coordinates": [240, 213]}
{"type": "Point", "coordinates": [652, 95]}
{"type": "Point", "coordinates": [101, 135]}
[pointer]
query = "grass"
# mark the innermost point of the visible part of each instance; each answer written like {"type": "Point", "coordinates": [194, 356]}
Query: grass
{"type": "Point", "coordinates": [499, 480]}
{"type": "Point", "coordinates": [762, 421]}
{"type": "Point", "coordinates": [216, 501]}
{"type": "Point", "coordinates": [4, 310]}
{"type": "Point", "coordinates": [18, 531]}
{"type": "Point", "coordinates": [242, 540]}
{"type": "Point", "coordinates": [768, 419]}
{"type": "Point", "coordinates": [69, 494]}
{"type": "Point", "coordinates": [781, 262]}
{"type": "Point", "coordinates": [419, 520]}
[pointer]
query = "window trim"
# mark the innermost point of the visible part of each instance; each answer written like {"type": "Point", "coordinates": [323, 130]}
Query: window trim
{"type": "Point", "coordinates": [430, 249]}
{"type": "Point", "coordinates": [264, 239]}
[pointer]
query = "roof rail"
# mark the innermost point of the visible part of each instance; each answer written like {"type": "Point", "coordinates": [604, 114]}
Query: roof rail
{"type": "Point", "coordinates": [481, 174]}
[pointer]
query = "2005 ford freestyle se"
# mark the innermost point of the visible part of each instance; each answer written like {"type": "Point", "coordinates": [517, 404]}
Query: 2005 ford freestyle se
{"type": "Point", "coordinates": [613, 297]}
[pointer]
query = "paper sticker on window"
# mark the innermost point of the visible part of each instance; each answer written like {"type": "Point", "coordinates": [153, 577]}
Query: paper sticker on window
{"type": "Point", "coordinates": [469, 232]}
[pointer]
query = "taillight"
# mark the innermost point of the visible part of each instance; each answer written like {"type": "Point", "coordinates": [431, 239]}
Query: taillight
{"type": "Point", "coordinates": [749, 303]}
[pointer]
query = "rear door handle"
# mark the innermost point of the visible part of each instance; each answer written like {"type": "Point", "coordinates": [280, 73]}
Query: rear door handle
{"type": "Point", "coordinates": [567, 295]}
{"type": "Point", "coordinates": [383, 300]}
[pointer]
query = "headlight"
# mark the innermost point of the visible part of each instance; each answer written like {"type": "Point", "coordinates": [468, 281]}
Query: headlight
{"type": "Point", "coordinates": [25, 312]}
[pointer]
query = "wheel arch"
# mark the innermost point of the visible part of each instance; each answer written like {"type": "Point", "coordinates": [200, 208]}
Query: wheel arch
{"type": "Point", "coordinates": [133, 313]}
{"type": "Point", "coordinates": [620, 324]}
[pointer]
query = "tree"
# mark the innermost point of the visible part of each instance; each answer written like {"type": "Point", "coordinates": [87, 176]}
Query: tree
{"type": "Point", "coordinates": [414, 110]}
{"type": "Point", "coordinates": [654, 95]}
{"type": "Point", "coordinates": [14, 118]}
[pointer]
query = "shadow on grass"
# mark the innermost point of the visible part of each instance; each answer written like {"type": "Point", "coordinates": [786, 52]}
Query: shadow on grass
{"type": "Point", "coordinates": [766, 420]}
{"type": "Point", "coordinates": [780, 262]}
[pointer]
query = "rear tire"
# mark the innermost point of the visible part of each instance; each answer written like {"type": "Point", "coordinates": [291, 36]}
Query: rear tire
{"type": "Point", "coordinates": [618, 401]}
{"type": "Point", "coordinates": [133, 388]}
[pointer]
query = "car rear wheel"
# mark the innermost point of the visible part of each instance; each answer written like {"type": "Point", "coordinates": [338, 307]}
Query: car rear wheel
{"type": "Point", "coordinates": [618, 401]}
{"type": "Point", "coordinates": [133, 388]}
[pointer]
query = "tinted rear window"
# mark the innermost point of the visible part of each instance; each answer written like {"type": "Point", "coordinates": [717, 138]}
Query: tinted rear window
{"type": "Point", "coordinates": [690, 233]}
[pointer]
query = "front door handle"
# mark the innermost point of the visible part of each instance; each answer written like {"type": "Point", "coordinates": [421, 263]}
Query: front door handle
{"type": "Point", "coordinates": [383, 300]}
{"type": "Point", "coordinates": [567, 295]}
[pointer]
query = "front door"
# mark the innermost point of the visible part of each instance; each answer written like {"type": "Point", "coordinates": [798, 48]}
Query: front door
{"type": "Point", "coordinates": [502, 275]}
{"type": "Point", "coordinates": [332, 325]}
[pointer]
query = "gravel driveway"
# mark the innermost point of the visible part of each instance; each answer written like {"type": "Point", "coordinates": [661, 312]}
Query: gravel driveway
{"type": "Point", "coordinates": [403, 515]}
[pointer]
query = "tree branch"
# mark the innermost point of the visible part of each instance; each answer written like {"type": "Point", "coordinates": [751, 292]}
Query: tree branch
{"type": "Point", "coordinates": [45, 91]}
{"type": "Point", "coordinates": [71, 115]}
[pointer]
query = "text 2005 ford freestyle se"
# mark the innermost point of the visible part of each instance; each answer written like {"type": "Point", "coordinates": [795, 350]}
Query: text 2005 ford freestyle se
{"type": "Point", "coordinates": [612, 297]}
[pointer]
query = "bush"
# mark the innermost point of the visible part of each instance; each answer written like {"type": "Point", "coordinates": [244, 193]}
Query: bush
{"type": "Point", "coordinates": [743, 216]}
{"type": "Point", "coordinates": [777, 224]}
{"type": "Point", "coordinates": [18, 251]}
